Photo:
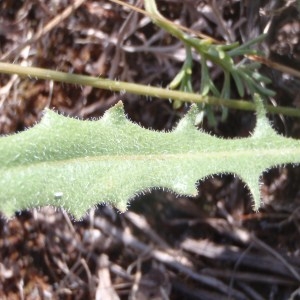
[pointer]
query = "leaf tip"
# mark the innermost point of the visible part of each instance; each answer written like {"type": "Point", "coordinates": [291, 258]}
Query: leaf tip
{"type": "Point", "coordinates": [119, 104]}
{"type": "Point", "coordinates": [115, 115]}
{"type": "Point", "coordinates": [188, 121]}
{"type": "Point", "coordinates": [263, 126]}
{"type": "Point", "coordinates": [122, 206]}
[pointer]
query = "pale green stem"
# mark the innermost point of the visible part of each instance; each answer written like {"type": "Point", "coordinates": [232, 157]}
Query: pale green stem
{"type": "Point", "coordinates": [168, 26]}
{"type": "Point", "coordinates": [138, 89]}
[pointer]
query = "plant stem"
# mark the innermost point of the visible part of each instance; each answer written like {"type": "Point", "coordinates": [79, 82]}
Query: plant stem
{"type": "Point", "coordinates": [138, 89]}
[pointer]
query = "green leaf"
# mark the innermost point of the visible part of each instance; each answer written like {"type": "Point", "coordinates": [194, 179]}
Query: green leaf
{"type": "Point", "coordinates": [77, 164]}
{"type": "Point", "coordinates": [177, 79]}
{"type": "Point", "coordinates": [238, 82]}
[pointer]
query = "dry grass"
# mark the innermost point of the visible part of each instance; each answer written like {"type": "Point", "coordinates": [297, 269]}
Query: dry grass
{"type": "Point", "coordinates": [210, 247]}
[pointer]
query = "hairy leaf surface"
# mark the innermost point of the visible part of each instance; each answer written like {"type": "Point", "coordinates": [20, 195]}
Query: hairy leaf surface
{"type": "Point", "coordinates": [77, 164]}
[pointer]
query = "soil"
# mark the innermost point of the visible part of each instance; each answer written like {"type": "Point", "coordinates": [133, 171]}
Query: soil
{"type": "Point", "coordinates": [213, 246]}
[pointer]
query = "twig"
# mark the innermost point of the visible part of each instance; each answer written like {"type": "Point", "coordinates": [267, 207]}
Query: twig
{"type": "Point", "coordinates": [275, 65]}
{"type": "Point", "coordinates": [130, 241]}
{"type": "Point", "coordinates": [105, 289]}
{"type": "Point", "coordinates": [49, 26]}
{"type": "Point", "coordinates": [149, 14]}
{"type": "Point", "coordinates": [266, 247]}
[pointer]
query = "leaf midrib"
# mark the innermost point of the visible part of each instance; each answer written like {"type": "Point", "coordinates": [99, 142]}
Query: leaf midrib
{"type": "Point", "coordinates": [161, 157]}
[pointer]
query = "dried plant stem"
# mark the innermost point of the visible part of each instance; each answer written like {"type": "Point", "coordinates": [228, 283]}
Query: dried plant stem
{"type": "Point", "coordinates": [49, 26]}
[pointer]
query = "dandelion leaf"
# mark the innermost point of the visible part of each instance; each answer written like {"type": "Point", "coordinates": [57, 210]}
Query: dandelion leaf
{"type": "Point", "coordinates": [77, 164]}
